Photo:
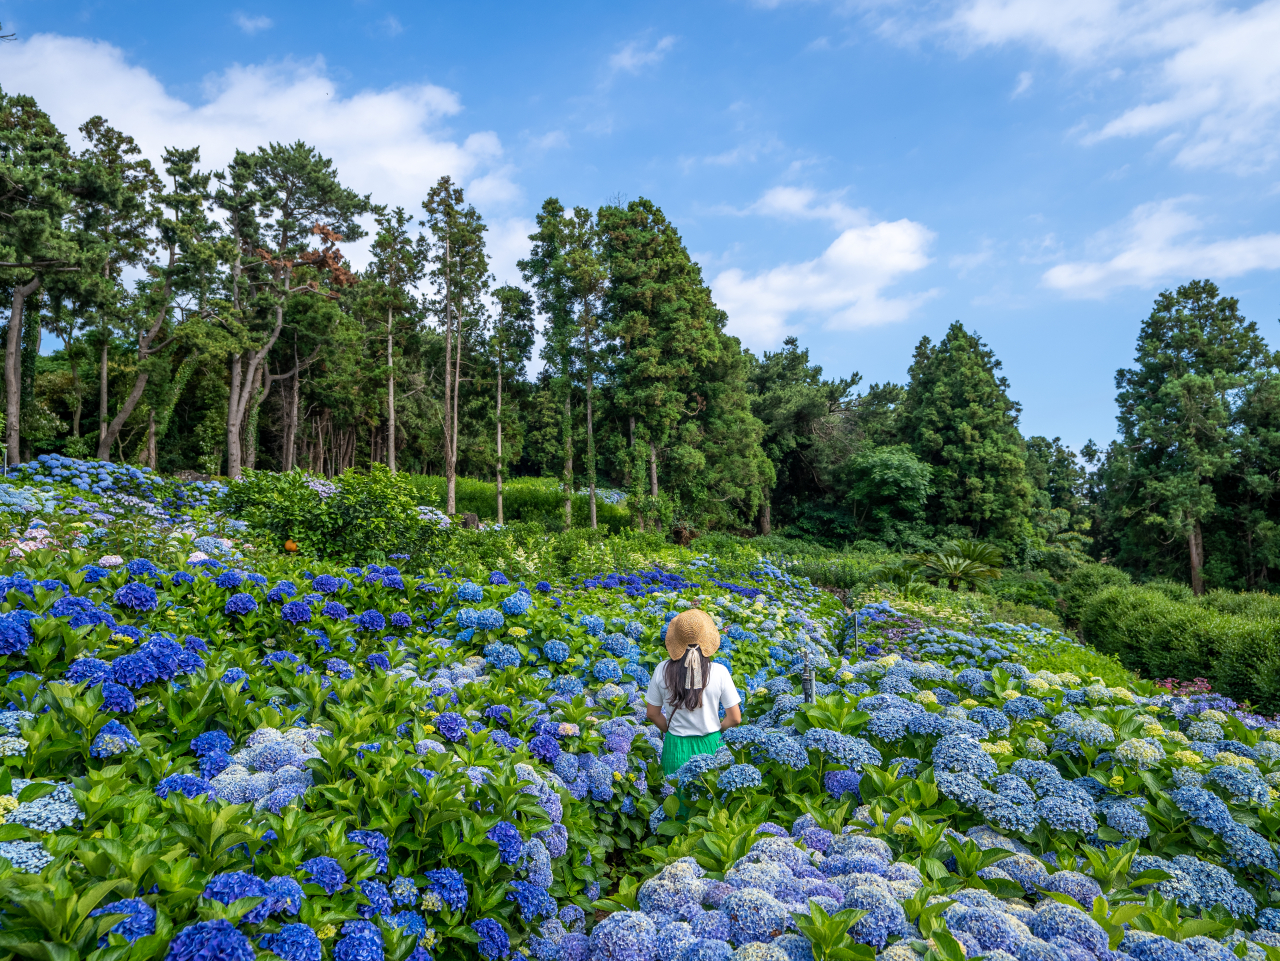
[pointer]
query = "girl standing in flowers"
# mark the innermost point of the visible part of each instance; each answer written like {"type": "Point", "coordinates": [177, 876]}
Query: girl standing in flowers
{"type": "Point", "coordinates": [693, 689]}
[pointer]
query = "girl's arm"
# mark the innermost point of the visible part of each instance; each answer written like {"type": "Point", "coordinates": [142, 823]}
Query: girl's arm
{"type": "Point", "coordinates": [732, 718]}
{"type": "Point", "coordinates": [654, 714]}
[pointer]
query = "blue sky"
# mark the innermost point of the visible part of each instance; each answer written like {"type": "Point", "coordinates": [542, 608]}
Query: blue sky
{"type": "Point", "coordinates": [858, 174]}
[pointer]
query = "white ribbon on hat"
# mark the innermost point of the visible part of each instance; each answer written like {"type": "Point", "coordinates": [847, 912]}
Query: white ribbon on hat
{"type": "Point", "coordinates": [692, 667]}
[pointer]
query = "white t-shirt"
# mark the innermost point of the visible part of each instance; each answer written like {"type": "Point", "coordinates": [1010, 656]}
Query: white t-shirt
{"type": "Point", "coordinates": [718, 693]}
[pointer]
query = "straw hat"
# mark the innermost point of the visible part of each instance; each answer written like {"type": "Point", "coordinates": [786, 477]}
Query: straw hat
{"type": "Point", "coordinates": [692, 627]}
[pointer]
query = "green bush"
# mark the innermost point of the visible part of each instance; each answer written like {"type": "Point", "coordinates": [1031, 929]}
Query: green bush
{"type": "Point", "coordinates": [1086, 581]}
{"type": "Point", "coordinates": [358, 516]}
{"type": "Point", "coordinates": [1160, 637]}
{"type": "Point", "coordinates": [1029, 589]}
{"type": "Point", "coordinates": [1174, 590]}
{"type": "Point", "coordinates": [524, 500]}
{"type": "Point", "coordinates": [1248, 604]}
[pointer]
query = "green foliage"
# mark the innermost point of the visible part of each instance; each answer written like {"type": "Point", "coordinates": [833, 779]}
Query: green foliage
{"type": "Point", "coordinates": [1188, 491]}
{"type": "Point", "coordinates": [1086, 581]}
{"type": "Point", "coordinates": [529, 500]}
{"type": "Point", "coordinates": [959, 419]}
{"type": "Point", "coordinates": [1160, 636]}
{"type": "Point", "coordinates": [366, 516]}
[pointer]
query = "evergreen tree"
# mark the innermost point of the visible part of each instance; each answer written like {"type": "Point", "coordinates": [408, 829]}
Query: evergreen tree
{"type": "Point", "coordinates": [461, 278]}
{"type": "Point", "coordinates": [959, 420]}
{"type": "Point", "coordinates": [1181, 403]}
{"type": "Point", "coordinates": [397, 266]}
{"type": "Point", "coordinates": [547, 270]}
{"type": "Point", "coordinates": [510, 347]}
{"type": "Point", "coordinates": [279, 198]}
{"type": "Point", "coordinates": [791, 399]}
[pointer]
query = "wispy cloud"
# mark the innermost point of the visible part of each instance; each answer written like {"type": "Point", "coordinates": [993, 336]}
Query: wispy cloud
{"type": "Point", "coordinates": [635, 56]}
{"type": "Point", "coordinates": [801, 203]}
{"type": "Point", "coordinates": [252, 25]}
{"type": "Point", "coordinates": [1156, 243]}
{"type": "Point", "coordinates": [401, 149]}
{"type": "Point", "coordinates": [1025, 79]}
{"type": "Point", "coordinates": [391, 26]}
{"type": "Point", "coordinates": [1209, 72]}
{"type": "Point", "coordinates": [843, 288]}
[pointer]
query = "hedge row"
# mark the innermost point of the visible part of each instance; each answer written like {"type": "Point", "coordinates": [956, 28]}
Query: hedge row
{"type": "Point", "coordinates": [1233, 640]}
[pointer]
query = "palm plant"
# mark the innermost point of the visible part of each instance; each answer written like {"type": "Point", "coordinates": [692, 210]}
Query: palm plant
{"type": "Point", "coordinates": [957, 562]}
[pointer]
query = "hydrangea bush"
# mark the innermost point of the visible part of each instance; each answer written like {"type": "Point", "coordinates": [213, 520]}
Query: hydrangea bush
{"type": "Point", "coordinates": [211, 752]}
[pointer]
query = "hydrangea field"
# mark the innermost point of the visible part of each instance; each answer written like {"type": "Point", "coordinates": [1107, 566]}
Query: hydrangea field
{"type": "Point", "coordinates": [213, 750]}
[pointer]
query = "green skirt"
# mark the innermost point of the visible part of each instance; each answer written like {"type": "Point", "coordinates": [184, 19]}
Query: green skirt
{"type": "Point", "coordinates": [676, 749]}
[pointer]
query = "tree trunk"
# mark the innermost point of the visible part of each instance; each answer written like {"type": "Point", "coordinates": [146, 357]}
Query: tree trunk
{"type": "Point", "coordinates": [591, 440]}
{"type": "Point", "coordinates": [102, 391]}
{"type": "Point", "coordinates": [653, 483]}
{"type": "Point", "coordinates": [152, 455]}
{"type": "Point", "coordinates": [242, 388]}
{"type": "Point", "coordinates": [499, 420]}
{"type": "Point", "coordinates": [567, 434]}
{"type": "Point", "coordinates": [391, 402]}
{"type": "Point", "coordinates": [1196, 544]}
{"type": "Point", "coordinates": [13, 369]}
{"type": "Point", "coordinates": [233, 420]}
{"type": "Point", "coordinates": [450, 503]}
{"type": "Point", "coordinates": [290, 438]}
{"type": "Point", "coordinates": [765, 526]}
{"type": "Point", "coordinates": [117, 422]}
{"type": "Point", "coordinates": [457, 382]}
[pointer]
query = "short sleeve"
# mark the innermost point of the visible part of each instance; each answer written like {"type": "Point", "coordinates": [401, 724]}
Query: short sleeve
{"type": "Point", "coordinates": [653, 696]}
{"type": "Point", "coordinates": [728, 693]}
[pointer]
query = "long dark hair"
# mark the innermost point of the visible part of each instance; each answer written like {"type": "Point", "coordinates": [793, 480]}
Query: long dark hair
{"type": "Point", "coordinates": [690, 698]}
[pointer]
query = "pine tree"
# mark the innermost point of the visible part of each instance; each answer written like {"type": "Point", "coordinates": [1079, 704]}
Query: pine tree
{"type": "Point", "coordinates": [546, 269]}
{"type": "Point", "coordinates": [510, 347]}
{"type": "Point", "coordinates": [959, 420]}
{"type": "Point", "coordinates": [1197, 360]}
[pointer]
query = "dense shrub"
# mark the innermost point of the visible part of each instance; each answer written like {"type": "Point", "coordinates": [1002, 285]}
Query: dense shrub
{"type": "Point", "coordinates": [357, 515]}
{"type": "Point", "coordinates": [1032, 589]}
{"type": "Point", "coordinates": [1248, 604]}
{"type": "Point", "coordinates": [524, 500]}
{"type": "Point", "coordinates": [1087, 580]}
{"type": "Point", "coordinates": [1160, 637]}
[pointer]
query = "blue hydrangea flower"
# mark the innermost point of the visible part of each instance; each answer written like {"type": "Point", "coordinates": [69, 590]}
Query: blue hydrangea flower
{"type": "Point", "coordinates": [112, 738]}
{"type": "Point", "coordinates": [507, 837]}
{"type": "Point", "coordinates": [325, 872]}
{"type": "Point", "coordinates": [295, 612]}
{"type": "Point", "coordinates": [293, 942]}
{"type": "Point", "coordinates": [240, 604]}
{"type": "Point", "coordinates": [140, 920]}
{"type": "Point", "coordinates": [494, 942]}
{"type": "Point", "coordinates": [136, 596]}
{"type": "Point", "coordinates": [209, 940]}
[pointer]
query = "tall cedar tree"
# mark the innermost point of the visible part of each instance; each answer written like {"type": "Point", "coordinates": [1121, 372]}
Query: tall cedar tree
{"type": "Point", "coordinates": [461, 278]}
{"type": "Point", "coordinates": [547, 270]}
{"type": "Point", "coordinates": [1181, 405]}
{"type": "Point", "coordinates": [396, 268]}
{"type": "Point", "coordinates": [960, 421]}
{"type": "Point", "coordinates": [510, 345]}
{"type": "Point", "coordinates": [676, 372]}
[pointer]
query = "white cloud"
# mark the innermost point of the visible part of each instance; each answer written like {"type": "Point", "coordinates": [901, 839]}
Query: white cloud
{"type": "Point", "coordinates": [391, 25]}
{"type": "Point", "coordinates": [634, 56]}
{"type": "Point", "coordinates": [252, 25]}
{"type": "Point", "coordinates": [843, 288]}
{"type": "Point", "coordinates": [389, 142]}
{"type": "Point", "coordinates": [1209, 72]}
{"type": "Point", "coordinates": [1157, 243]}
{"type": "Point", "coordinates": [1025, 79]}
{"type": "Point", "coordinates": [801, 203]}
